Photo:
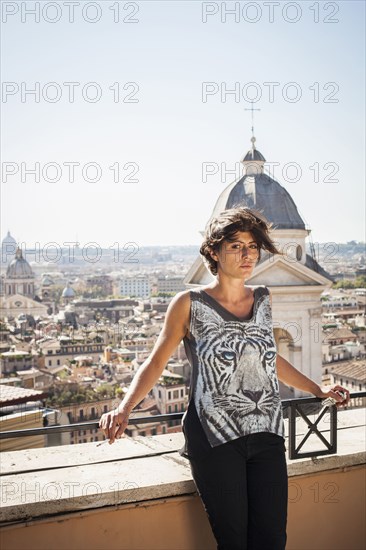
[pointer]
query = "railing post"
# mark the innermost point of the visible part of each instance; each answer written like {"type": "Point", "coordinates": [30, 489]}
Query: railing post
{"type": "Point", "coordinates": [292, 431]}
{"type": "Point", "coordinates": [333, 427]}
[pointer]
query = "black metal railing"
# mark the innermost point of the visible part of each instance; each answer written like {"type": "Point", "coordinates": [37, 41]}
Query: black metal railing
{"type": "Point", "coordinates": [299, 407]}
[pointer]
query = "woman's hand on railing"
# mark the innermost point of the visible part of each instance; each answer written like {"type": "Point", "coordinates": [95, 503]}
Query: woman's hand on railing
{"type": "Point", "coordinates": [338, 393]}
{"type": "Point", "coordinates": [114, 423]}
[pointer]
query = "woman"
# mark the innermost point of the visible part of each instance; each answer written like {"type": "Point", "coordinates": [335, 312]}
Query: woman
{"type": "Point", "coordinates": [233, 427]}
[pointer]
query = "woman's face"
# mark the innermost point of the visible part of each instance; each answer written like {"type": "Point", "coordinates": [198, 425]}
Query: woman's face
{"type": "Point", "coordinates": [237, 257]}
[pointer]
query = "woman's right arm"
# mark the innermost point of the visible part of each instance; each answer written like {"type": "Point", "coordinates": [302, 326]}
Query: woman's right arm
{"type": "Point", "coordinates": [175, 327]}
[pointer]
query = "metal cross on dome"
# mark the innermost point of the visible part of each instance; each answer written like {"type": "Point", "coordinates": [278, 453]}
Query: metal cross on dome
{"type": "Point", "coordinates": [252, 109]}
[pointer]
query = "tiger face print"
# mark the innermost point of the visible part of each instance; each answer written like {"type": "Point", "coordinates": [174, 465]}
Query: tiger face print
{"type": "Point", "coordinates": [237, 386]}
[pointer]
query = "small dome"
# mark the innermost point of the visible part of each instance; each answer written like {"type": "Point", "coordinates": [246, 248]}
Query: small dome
{"type": "Point", "coordinates": [9, 240]}
{"type": "Point", "coordinates": [47, 281]}
{"type": "Point", "coordinates": [19, 268]}
{"type": "Point", "coordinates": [253, 154]}
{"type": "Point", "coordinates": [68, 292]}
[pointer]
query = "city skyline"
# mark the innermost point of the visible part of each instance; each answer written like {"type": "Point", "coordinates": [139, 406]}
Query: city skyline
{"type": "Point", "coordinates": [76, 246]}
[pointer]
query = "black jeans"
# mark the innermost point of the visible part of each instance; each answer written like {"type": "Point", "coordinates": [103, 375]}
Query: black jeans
{"type": "Point", "coordinates": [243, 485]}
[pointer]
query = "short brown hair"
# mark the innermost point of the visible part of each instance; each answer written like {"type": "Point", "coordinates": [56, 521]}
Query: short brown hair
{"type": "Point", "coordinates": [227, 224]}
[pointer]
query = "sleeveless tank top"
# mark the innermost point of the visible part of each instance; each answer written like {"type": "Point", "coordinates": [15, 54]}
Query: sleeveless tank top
{"type": "Point", "coordinates": [234, 386]}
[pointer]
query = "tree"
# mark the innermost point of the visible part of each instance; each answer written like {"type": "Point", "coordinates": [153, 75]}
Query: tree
{"type": "Point", "coordinates": [359, 282]}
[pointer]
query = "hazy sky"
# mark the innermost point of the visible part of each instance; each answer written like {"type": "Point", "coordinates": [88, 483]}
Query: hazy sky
{"type": "Point", "coordinates": [157, 56]}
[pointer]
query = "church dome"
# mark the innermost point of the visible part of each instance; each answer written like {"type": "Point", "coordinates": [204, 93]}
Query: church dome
{"type": "Point", "coordinates": [68, 292]}
{"type": "Point", "coordinates": [259, 191]}
{"type": "Point", "coordinates": [19, 268]}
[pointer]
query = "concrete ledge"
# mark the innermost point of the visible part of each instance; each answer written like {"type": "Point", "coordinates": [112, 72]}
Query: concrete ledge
{"type": "Point", "coordinates": [87, 453]}
{"type": "Point", "coordinates": [43, 482]}
{"type": "Point", "coordinates": [38, 483]}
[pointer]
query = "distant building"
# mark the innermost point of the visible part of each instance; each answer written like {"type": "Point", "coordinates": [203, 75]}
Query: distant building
{"type": "Point", "coordinates": [36, 379]}
{"type": "Point", "coordinates": [138, 285]}
{"type": "Point", "coordinates": [113, 310]}
{"type": "Point", "coordinates": [360, 291]}
{"type": "Point", "coordinates": [350, 374]}
{"type": "Point", "coordinates": [118, 355]}
{"type": "Point", "coordinates": [19, 294]}
{"type": "Point", "coordinates": [57, 353]}
{"type": "Point", "coordinates": [49, 293]}
{"type": "Point", "coordinates": [103, 283]}
{"type": "Point", "coordinates": [339, 336]}
{"type": "Point", "coordinates": [83, 412]}
{"type": "Point", "coordinates": [19, 277]}
{"type": "Point", "coordinates": [20, 410]}
{"type": "Point", "coordinates": [170, 283]}
{"type": "Point", "coordinates": [170, 396]}
{"type": "Point", "coordinates": [17, 360]}
{"type": "Point", "coordinates": [68, 294]}
{"type": "Point", "coordinates": [340, 302]}
{"type": "Point", "coordinates": [8, 249]}
{"type": "Point", "coordinates": [341, 352]}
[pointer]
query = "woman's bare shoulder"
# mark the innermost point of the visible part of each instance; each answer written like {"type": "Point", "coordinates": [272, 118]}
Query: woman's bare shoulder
{"type": "Point", "coordinates": [181, 301]}
{"type": "Point", "coordinates": [183, 298]}
{"type": "Point", "coordinates": [178, 312]}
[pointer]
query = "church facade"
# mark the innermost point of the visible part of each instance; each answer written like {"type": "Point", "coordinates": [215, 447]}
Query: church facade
{"type": "Point", "coordinates": [19, 290]}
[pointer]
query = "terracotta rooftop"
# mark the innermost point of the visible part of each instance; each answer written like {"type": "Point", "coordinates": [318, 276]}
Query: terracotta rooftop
{"type": "Point", "coordinates": [339, 333]}
{"type": "Point", "coordinates": [11, 395]}
{"type": "Point", "coordinates": [354, 369]}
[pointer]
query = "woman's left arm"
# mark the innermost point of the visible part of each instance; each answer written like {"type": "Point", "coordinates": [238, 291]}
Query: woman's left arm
{"type": "Point", "coordinates": [293, 377]}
